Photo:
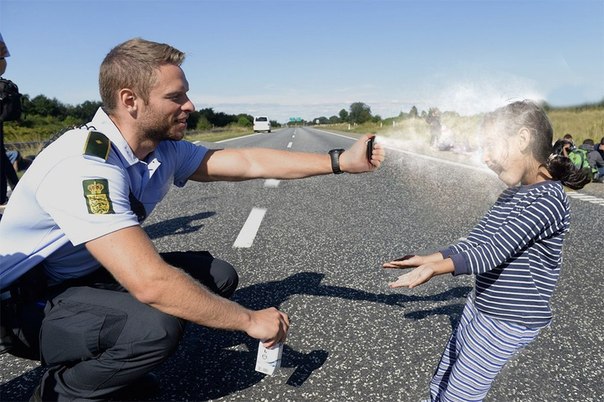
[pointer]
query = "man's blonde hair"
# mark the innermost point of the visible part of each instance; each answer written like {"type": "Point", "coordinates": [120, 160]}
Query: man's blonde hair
{"type": "Point", "coordinates": [133, 64]}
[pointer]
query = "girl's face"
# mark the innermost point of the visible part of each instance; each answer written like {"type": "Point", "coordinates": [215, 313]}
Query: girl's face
{"type": "Point", "coordinates": [505, 154]}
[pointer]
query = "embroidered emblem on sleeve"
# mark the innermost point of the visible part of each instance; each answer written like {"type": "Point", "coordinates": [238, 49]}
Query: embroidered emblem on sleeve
{"type": "Point", "coordinates": [96, 193]}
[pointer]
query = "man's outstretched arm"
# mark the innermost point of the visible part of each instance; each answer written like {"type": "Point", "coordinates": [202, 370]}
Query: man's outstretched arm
{"type": "Point", "coordinates": [263, 163]}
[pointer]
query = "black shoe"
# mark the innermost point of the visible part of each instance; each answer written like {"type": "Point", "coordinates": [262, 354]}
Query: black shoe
{"type": "Point", "coordinates": [140, 390]}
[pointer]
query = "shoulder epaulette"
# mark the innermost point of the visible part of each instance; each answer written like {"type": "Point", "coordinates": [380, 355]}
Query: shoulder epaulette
{"type": "Point", "coordinates": [97, 145]}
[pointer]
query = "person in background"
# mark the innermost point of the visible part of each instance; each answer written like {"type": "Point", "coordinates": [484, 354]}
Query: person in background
{"type": "Point", "coordinates": [433, 120]}
{"type": "Point", "coordinates": [600, 147]}
{"type": "Point", "coordinates": [569, 144]}
{"type": "Point", "coordinates": [72, 240]}
{"type": "Point", "coordinates": [18, 162]}
{"type": "Point", "coordinates": [6, 171]}
{"type": "Point", "coordinates": [515, 253]}
{"type": "Point", "coordinates": [596, 159]}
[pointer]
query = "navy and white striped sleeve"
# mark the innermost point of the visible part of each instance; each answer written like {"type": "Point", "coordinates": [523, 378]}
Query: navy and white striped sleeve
{"type": "Point", "coordinates": [508, 231]}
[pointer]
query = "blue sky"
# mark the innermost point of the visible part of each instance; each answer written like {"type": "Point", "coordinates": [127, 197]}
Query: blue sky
{"type": "Point", "coordinates": [305, 58]}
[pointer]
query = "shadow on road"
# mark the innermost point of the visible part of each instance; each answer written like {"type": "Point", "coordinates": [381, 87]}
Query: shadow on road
{"type": "Point", "coordinates": [452, 311]}
{"type": "Point", "coordinates": [176, 226]}
{"type": "Point", "coordinates": [211, 364]}
{"type": "Point", "coordinates": [222, 362]}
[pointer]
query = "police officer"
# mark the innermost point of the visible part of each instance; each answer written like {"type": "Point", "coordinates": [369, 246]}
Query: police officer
{"type": "Point", "coordinates": [72, 244]}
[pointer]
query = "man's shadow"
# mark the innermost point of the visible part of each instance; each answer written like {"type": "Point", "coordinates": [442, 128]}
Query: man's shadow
{"type": "Point", "coordinates": [179, 226]}
{"type": "Point", "coordinates": [223, 362]}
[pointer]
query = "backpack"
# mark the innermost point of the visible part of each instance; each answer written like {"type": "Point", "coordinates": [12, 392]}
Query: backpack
{"type": "Point", "coordinates": [10, 101]}
{"type": "Point", "coordinates": [578, 157]}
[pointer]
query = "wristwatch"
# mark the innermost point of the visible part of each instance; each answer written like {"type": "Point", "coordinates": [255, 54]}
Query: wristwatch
{"type": "Point", "coordinates": [334, 154]}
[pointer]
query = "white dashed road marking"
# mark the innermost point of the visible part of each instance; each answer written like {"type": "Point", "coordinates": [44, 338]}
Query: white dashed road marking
{"type": "Point", "coordinates": [586, 197]}
{"type": "Point", "coordinates": [271, 183]}
{"type": "Point", "coordinates": [250, 228]}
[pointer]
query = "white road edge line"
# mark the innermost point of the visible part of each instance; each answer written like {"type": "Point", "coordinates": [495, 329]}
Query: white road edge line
{"type": "Point", "coordinates": [231, 139]}
{"type": "Point", "coordinates": [250, 228]}
{"type": "Point", "coordinates": [585, 197]}
{"type": "Point", "coordinates": [271, 183]}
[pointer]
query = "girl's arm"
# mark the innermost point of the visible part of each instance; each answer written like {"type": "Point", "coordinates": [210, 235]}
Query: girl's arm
{"type": "Point", "coordinates": [505, 236]}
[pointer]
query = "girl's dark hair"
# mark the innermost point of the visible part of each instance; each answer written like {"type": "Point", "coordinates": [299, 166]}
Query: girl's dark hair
{"type": "Point", "coordinates": [529, 115]}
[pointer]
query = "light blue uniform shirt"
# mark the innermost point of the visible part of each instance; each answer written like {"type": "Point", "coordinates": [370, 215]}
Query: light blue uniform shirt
{"type": "Point", "coordinates": [48, 217]}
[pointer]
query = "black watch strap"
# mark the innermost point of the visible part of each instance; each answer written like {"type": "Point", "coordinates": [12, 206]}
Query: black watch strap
{"type": "Point", "coordinates": [334, 154]}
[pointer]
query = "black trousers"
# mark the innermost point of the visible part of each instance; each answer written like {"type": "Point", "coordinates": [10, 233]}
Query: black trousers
{"type": "Point", "coordinates": [96, 338]}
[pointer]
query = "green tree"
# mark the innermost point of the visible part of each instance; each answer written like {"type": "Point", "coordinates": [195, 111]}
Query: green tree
{"type": "Point", "coordinates": [85, 111]}
{"type": "Point", "coordinates": [249, 119]}
{"type": "Point", "coordinates": [343, 115]}
{"type": "Point", "coordinates": [243, 121]}
{"type": "Point", "coordinates": [360, 113]}
{"type": "Point", "coordinates": [203, 123]}
{"type": "Point", "coordinates": [44, 106]}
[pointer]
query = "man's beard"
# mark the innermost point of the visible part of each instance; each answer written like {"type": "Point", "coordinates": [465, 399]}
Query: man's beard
{"type": "Point", "coordinates": [158, 130]}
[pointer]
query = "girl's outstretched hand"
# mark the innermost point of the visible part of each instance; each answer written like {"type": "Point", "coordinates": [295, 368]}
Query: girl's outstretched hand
{"type": "Point", "coordinates": [412, 260]}
{"type": "Point", "coordinates": [408, 261]}
{"type": "Point", "coordinates": [419, 275]}
{"type": "Point", "coordinates": [429, 266]}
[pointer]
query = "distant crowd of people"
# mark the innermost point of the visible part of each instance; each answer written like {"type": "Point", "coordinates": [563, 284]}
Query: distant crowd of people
{"type": "Point", "coordinates": [588, 156]}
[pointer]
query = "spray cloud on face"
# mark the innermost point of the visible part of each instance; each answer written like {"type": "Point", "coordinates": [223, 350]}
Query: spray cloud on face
{"type": "Point", "coordinates": [461, 108]}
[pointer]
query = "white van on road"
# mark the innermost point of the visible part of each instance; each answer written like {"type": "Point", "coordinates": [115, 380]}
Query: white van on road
{"type": "Point", "coordinates": [262, 123]}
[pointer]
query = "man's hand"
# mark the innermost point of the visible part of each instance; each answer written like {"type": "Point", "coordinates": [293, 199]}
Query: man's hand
{"type": "Point", "coordinates": [269, 325]}
{"type": "Point", "coordinates": [354, 160]}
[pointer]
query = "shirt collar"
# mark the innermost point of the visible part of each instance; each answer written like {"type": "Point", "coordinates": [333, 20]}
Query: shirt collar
{"type": "Point", "coordinates": [102, 123]}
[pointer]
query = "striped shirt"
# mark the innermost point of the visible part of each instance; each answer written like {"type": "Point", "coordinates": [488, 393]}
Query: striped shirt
{"type": "Point", "coordinates": [515, 252]}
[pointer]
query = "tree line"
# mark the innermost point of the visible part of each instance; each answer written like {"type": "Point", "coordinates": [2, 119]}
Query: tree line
{"type": "Point", "coordinates": [44, 117]}
{"type": "Point", "coordinates": [203, 119]}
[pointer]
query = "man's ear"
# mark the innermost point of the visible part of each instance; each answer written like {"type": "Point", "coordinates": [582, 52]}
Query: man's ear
{"type": "Point", "coordinates": [524, 139]}
{"type": "Point", "coordinates": [128, 99]}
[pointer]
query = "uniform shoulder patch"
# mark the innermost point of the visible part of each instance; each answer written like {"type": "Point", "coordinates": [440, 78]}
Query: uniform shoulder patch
{"type": "Point", "coordinates": [96, 194]}
{"type": "Point", "coordinates": [97, 145]}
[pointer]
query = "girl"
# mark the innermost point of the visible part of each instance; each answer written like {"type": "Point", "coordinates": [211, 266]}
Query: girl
{"type": "Point", "coordinates": [515, 252]}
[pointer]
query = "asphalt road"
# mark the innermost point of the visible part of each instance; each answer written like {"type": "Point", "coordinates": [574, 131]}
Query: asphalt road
{"type": "Point", "coordinates": [317, 255]}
